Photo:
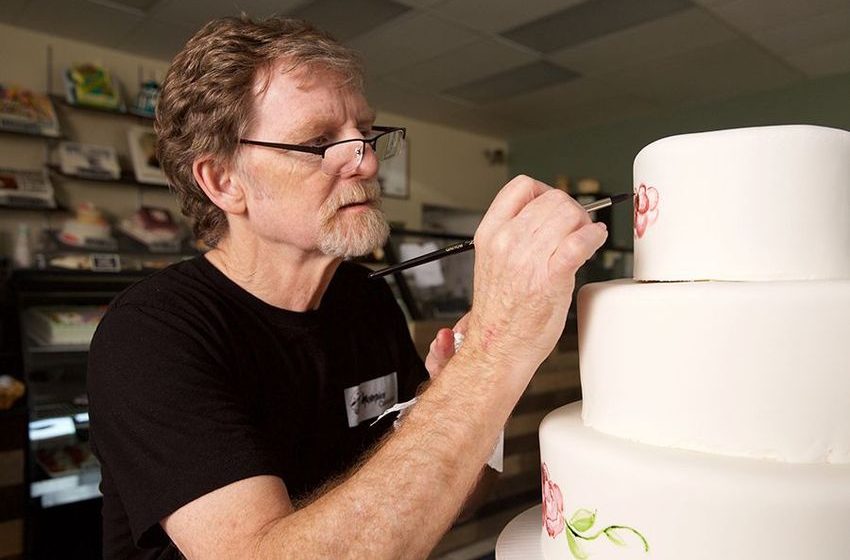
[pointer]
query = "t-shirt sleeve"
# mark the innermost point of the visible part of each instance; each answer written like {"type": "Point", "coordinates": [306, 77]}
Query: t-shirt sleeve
{"type": "Point", "coordinates": [165, 420]}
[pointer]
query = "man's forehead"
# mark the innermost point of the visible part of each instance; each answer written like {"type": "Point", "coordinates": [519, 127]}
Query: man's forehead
{"type": "Point", "coordinates": [324, 97]}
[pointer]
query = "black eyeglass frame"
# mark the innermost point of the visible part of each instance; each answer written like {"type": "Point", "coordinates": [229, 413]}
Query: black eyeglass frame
{"type": "Point", "coordinates": [321, 150]}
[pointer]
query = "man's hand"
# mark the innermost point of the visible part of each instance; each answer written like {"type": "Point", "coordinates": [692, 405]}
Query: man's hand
{"type": "Point", "coordinates": [527, 250]}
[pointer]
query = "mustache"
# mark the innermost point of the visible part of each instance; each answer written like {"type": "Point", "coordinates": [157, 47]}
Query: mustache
{"type": "Point", "coordinates": [359, 193]}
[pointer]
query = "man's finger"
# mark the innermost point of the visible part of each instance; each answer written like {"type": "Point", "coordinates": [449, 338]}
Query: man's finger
{"type": "Point", "coordinates": [513, 197]}
{"type": "Point", "coordinates": [445, 343]}
{"type": "Point", "coordinates": [440, 352]}
{"type": "Point", "coordinates": [577, 247]}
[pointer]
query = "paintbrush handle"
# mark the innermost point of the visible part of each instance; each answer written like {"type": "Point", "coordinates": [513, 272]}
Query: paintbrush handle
{"type": "Point", "coordinates": [468, 245]}
{"type": "Point", "coordinates": [426, 258]}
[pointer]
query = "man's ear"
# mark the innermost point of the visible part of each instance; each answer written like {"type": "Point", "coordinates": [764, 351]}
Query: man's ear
{"type": "Point", "coordinates": [219, 184]}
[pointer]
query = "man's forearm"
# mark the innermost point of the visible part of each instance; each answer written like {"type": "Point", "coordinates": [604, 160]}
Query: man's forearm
{"type": "Point", "coordinates": [412, 488]}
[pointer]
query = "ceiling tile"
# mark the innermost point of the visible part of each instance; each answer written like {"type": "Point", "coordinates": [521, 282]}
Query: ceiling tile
{"type": "Point", "coordinates": [803, 35]}
{"type": "Point", "coordinates": [170, 39]}
{"type": "Point", "coordinates": [386, 95]}
{"type": "Point", "coordinates": [497, 15]}
{"type": "Point", "coordinates": [196, 13]}
{"type": "Point", "coordinates": [12, 10]}
{"type": "Point", "coordinates": [136, 5]}
{"type": "Point", "coordinates": [345, 19]}
{"type": "Point", "coordinates": [754, 15]}
{"type": "Point", "coordinates": [78, 19]}
{"type": "Point", "coordinates": [410, 39]}
{"type": "Point", "coordinates": [529, 77]}
{"type": "Point", "coordinates": [715, 72]}
{"type": "Point", "coordinates": [459, 66]}
{"type": "Point", "coordinates": [419, 3]}
{"type": "Point", "coordinates": [589, 20]}
{"type": "Point", "coordinates": [682, 31]}
{"type": "Point", "coordinates": [832, 58]}
{"type": "Point", "coordinates": [591, 113]}
{"type": "Point", "coordinates": [556, 98]}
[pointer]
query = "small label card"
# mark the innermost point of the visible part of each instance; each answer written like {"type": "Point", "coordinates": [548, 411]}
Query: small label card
{"type": "Point", "coordinates": [105, 262]}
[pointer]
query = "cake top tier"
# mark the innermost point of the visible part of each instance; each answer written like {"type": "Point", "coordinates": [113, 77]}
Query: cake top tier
{"type": "Point", "coordinates": [763, 203]}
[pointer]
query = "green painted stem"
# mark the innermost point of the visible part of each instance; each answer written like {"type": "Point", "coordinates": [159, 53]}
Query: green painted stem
{"type": "Point", "coordinates": [596, 536]}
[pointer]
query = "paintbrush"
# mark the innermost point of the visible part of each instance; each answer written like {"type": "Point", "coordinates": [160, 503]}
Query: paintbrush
{"type": "Point", "coordinates": [469, 245]}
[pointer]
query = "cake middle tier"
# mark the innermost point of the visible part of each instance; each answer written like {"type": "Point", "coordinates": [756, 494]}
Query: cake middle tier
{"type": "Point", "coordinates": [752, 369]}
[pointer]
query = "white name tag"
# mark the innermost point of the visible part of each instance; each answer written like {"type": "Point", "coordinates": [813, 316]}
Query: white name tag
{"type": "Point", "coordinates": [369, 399]}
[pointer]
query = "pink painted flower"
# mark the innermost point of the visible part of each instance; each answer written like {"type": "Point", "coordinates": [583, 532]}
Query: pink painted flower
{"type": "Point", "coordinates": [646, 208]}
{"type": "Point", "coordinates": [553, 505]}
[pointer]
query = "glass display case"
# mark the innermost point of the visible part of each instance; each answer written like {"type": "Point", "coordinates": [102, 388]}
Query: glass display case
{"type": "Point", "coordinates": [57, 312]}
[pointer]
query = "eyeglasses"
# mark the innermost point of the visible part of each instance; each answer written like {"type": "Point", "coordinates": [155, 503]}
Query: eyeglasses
{"type": "Point", "coordinates": [346, 155]}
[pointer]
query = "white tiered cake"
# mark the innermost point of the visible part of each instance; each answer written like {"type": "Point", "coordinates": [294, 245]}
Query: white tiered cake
{"type": "Point", "coordinates": [716, 384]}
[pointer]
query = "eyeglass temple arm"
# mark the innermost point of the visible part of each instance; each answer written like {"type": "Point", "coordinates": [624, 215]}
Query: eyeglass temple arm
{"type": "Point", "coordinates": [391, 129]}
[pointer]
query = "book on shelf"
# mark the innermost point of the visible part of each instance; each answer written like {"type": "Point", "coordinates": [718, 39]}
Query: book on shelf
{"type": "Point", "coordinates": [88, 229]}
{"type": "Point", "coordinates": [155, 228]}
{"type": "Point", "coordinates": [23, 110]}
{"type": "Point", "coordinates": [89, 161]}
{"type": "Point", "coordinates": [28, 188]}
{"type": "Point", "coordinates": [142, 141]}
{"type": "Point", "coordinates": [91, 85]}
{"type": "Point", "coordinates": [147, 99]}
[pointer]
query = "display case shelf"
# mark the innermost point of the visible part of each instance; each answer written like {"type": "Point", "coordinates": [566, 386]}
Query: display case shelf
{"type": "Point", "coordinates": [33, 347]}
{"type": "Point", "coordinates": [77, 487]}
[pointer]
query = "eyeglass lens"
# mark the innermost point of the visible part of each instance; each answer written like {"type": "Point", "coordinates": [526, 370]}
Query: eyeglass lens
{"type": "Point", "coordinates": [346, 157]}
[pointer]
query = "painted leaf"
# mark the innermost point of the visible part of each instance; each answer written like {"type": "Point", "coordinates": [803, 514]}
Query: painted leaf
{"type": "Point", "coordinates": [575, 549]}
{"type": "Point", "coordinates": [617, 533]}
{"type": "Point", "coordinates": [583, 520]}
{"type": "Point", "coordinates": [613, 537]}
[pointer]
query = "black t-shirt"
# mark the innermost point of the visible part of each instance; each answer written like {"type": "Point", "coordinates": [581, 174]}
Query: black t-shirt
{"type": "Point", "coordinates": [194, 383]}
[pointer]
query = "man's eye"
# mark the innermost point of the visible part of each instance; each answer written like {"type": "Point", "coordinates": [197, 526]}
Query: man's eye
{"type": "Point", "coordinates": [319, 141]}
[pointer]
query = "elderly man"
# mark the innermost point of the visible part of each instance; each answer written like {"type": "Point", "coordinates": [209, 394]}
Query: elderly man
{"type": "Point", "coordinates": [233, 395]}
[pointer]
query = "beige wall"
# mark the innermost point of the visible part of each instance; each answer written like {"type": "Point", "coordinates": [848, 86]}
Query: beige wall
{"type": "Point", "coordinates": [447, 166]}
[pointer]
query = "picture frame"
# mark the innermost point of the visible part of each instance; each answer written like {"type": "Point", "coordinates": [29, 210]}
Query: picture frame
{"type": "Point", "coordinates": [394, 174]}
{"type": "Point", "coordinates": [142, 141]}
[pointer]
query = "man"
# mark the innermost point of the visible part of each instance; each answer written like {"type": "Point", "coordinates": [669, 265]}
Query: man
{"type": "Point", "coordinates": [232, 396]}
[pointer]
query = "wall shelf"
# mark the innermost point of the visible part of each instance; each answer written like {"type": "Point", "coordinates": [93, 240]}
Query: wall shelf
{"type": "Point", "coordinates": [16, 207]}
{"type": "Point", "coordinates": [60, 100]}
{"type": "Point", "coordinates": [127, 178]}
{"type": "Point", "coordinates": [33, 135]}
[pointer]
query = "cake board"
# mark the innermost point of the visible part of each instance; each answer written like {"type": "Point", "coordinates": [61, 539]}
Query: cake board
{"type": "Point", "coordinates": [520, 539]}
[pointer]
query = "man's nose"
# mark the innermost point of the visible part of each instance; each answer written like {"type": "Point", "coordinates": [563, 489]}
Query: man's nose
{"type": "Point", "coordinates": [368, 166]}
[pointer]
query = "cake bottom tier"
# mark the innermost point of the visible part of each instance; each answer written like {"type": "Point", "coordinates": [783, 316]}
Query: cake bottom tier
{"type": "Point", "coordinates": [607, 498]}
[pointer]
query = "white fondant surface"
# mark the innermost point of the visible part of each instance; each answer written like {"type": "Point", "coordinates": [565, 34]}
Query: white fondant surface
{"type": "Point", "coordinates": [764, 203]}
{"type": "Point", "coordinates": [756, 369]}
{"type": "Point", "coordinates": [520, 539]}
{"type": "Point", "coordinates": [689, 505]}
